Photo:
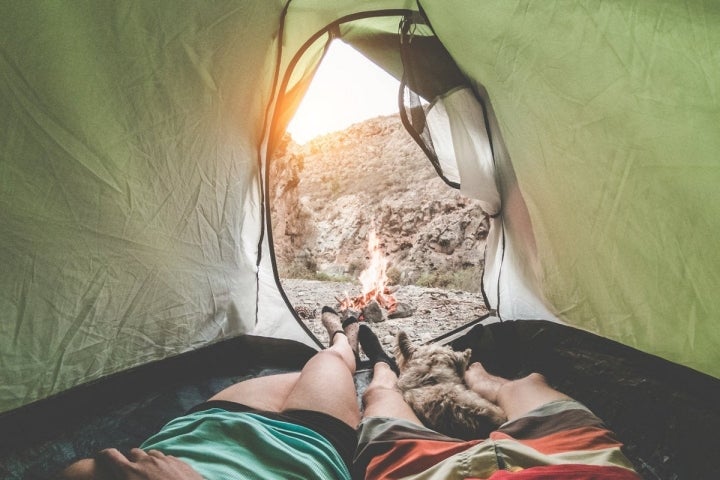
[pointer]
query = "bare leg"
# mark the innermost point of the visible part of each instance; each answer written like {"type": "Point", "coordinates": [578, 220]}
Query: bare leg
{"type": "Point", "coordinates": [383, 399]}
{"type": "Point", "coordinates": [516, 397]}
{"type": "Point", "coordinates": [325, 385]}
{"type": "Point", "coordinates": [85, 469]}
{"type": "Point", "coordinates": [326, 382]}
{"type": "Point", "coordinates": [262, 393]}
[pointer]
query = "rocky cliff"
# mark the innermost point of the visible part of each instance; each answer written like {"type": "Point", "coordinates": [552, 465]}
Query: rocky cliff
{"type": "Point", "coordinates": [327, 195]}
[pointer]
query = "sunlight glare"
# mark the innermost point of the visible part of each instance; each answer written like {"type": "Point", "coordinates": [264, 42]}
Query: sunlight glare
{"type": "Point", "coordinates": [347, 88]}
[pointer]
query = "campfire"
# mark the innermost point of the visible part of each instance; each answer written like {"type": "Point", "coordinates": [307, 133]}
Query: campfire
{"type": "Point", "coordinates": [374, 282]}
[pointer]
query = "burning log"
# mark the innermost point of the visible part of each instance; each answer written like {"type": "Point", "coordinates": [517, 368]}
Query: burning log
{"type": "Point", "coordinates": [385, 299]}
{"type": "Point", "coordinates": [374, 282]}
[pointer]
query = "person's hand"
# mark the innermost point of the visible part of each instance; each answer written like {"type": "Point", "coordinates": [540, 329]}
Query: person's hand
{"type": "Point", "coordinates": [141, 465]}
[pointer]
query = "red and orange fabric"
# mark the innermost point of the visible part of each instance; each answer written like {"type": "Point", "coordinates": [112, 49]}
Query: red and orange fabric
{"type": "Point", "coordinates": [560, 440]}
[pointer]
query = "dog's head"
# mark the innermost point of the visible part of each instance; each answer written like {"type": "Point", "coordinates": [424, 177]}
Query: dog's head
{"type": "Point", "coordinates": [430, 364]}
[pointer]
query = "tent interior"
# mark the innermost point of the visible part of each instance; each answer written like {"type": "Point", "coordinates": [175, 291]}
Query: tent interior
{"type": "Point", "coordinates": [137, 250]}
{"type": "Point", "coordinates": [628, 389]}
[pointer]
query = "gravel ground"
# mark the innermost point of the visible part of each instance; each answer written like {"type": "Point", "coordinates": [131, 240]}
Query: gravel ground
{"type": "Point", "coordinates": [436, 311]}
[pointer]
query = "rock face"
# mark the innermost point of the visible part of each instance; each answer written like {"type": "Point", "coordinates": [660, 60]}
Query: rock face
{"type": "Point", "coordinates": [327, 194]}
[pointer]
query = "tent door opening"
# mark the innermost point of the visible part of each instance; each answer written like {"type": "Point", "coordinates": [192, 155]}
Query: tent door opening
{"type": "Point", "coordinates": [343, 199]}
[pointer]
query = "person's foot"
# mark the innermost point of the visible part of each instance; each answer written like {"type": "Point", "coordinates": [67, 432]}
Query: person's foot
{"type": "Point", "coordinates": [351, 326]}
{"type": "Point", "coordinates": [481, 382]}
{"type": "Point", "coordinates": [331, 321]}
{"type": "Point", "coordinates": [373, 349]}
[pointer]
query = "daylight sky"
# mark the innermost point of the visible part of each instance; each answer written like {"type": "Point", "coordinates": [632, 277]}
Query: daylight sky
{"type": "Point", "coordinates": [347, 89]}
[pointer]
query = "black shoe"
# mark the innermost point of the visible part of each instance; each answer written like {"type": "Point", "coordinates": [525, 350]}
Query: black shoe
{"type": "Point", "coordinates": [373, 349]}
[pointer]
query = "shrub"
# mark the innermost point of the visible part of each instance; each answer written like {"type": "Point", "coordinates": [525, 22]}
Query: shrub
{"type": "Point", "coordinates": [297, 269]}
{"type": "Point", "coordinates": [394, 276]}
{"type": "Point", "coordinates": [468, 279]}
{"type": "Point", "coordinates": [355, 267]}
{"type": "Point", "coordinates": [465, 279]}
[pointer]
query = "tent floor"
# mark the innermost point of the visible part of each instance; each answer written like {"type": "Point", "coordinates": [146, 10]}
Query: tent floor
{"type": "Point", "coordinates": [666, 415]}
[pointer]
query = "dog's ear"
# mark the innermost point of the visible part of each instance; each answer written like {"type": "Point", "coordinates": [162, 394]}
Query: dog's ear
{"type": "Point", "coordinates": [462, 360]}
{"type": "Point", "coordinates": [467, 354]}
{"type": "Point", "coordinates": [405, 346]}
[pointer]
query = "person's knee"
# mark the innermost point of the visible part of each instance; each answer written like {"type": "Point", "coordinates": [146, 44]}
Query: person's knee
{"type": "Point", "coordinates": [535, 378]}
{"type": "Point", "coordinates": [331, 355]}
{"type": "Point", "coordinates": [528, 383]}
{"type": "Point", "coordinates": [84, 469]}
{"type": "Point", "coordinates": [377, 392]}
{"type": "Point", "coordinates": [344, 356]}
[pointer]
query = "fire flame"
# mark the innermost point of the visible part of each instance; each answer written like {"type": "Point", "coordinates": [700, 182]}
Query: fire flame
{"type": "Point", "coordinates": [374, 281]}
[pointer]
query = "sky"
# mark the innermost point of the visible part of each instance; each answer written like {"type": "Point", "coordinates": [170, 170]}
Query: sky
{"type": "Point", "coordinates": [347, 88]}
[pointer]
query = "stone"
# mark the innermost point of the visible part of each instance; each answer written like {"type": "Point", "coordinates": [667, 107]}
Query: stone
{"type": "Point", "coordinates": [372, 313]}
{"type": "Point", "coordinates": [349, 313]}
{"type": "Point", "coordinates": [402, 310]}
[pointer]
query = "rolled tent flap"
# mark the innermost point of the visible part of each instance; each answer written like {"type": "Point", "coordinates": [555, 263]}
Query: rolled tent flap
{"type": "Point", "coordinates": [129, 199]}
{"type": "Point", "coordinates": [460, 136]}
{"type": "Point", "coordinates": [611, 116]}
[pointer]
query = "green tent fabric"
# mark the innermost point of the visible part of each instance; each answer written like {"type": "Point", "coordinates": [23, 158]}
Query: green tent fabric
{"type": "Point", "coordinates": [611, 117]}
{"type": "Point", "coordinates": [129, 149]}
{"type": "Point", "coordinates": [135, 135]}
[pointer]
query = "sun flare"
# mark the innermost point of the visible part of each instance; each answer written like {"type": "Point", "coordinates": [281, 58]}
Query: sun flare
{"type": "Point", "coordinates": [347, 88]}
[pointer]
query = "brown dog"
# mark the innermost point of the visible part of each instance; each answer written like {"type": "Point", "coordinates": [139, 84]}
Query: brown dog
{"type": "Point", "coordinates": [431, 381]}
